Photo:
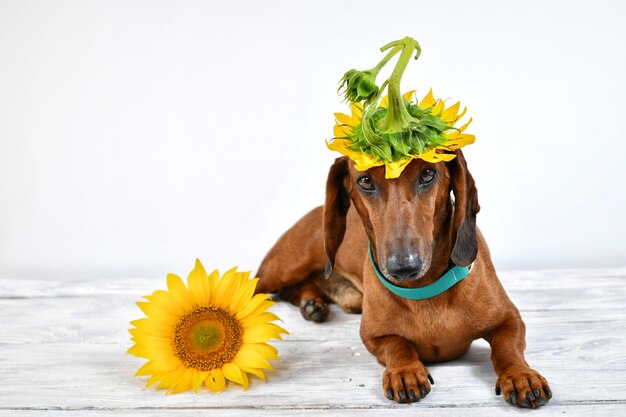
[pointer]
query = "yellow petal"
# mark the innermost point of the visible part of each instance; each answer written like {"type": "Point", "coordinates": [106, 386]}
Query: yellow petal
{"type": "Point", "coordinates": [250, 358]}
{"type": "Point", "coordinates": [343, 147]}
{"type": "Point", "coordinates": [342, 131]}
{"type": "Point", "coordinates": [184, 383]}
{"type": "Point", "coordinates": [198, 378]}
{"type": "Point", "coordinates": [435, 156]}
{"type": "Point", "coordinates": [253, 320]}
{"type": "Point", "coordinates": [152, 367]}
{"type": "Point", "coordinates": [394, 169]}
{"type": "Point", "coordinates": [258, 304]}
{"type": "Point", "coordinates": [357, 111]}
{"type": "Point", "coordinates": [146, 369]}
{"type": "Point", "coordinates": [137, 351]}
{"type": "Point", "coordinates": [163, 300]}
{"type": "Point", "coordinates": [154, 311]}
{"type": "Point", "coordinates": [195, 281]}
{"type": "Point", "coordinates": [409, 95]}
{"type": "Point", "coordinates": [215, 381]}
{"type": "Point", "coordinates": [446, 157]}
{"type": "Point", "coordinates": [462, 128]}
{"type": "Point", "coordinates": [152, 327]}
{"type": "Point", "coordinates": [450, 113]}
{"type": "Point", "coordinates": [162, 361]}
{"type": "Point", "coordinates": [267, 351]}
{"type": "Point", "coordinates": [233, 373]}
{"type": "Point", "coordinates": [169, 379]}
{"type": "Point", "coordinates": [460, 141]}
{"type": "Point", "coordinates": [259, 309]}
{"type": "Point", "coordinates": [170, 375]}
{"type": "Point", "coordinates": [139, 334]}
{"type": "Point", "coordinates": [437, 108]}
{"type": "Point", "coordinates": [460, 115]}
{"type": "Point", "coordinates": [244, 295]}
{"type": "Point", "coordinates": [262, 333]}
{"type": "Point", "coordinates": [363, 162]}
{"type": "Point", "coordinates": [338, 144]}
{"type": "Point", "coordinates": [225, 288]}
{"type": "Point", "coordinates": [179, 292]}
{"type": "Point", "coordinates": [150, 343]}
{"type": "Point", "coordinates": [212, 283]}
{"type": "Point", "coordinates": [428, 100]}
{"type": "Point", "coordinates": [430, 156]}
{"type": "Point", "coordinates": [344, 119]}
{"type": "Point", "coordinates": [256, 372]}
{"type": "Point", "coordinates": [153, 380]}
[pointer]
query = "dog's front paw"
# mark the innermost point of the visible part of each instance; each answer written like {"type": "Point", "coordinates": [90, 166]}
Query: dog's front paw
{"type": "Point", "coordinates": [314, 309]}
{"type": "Point", "coordinates": [523, 387]}
{"type": "Point", "coordinates": [407, 383]}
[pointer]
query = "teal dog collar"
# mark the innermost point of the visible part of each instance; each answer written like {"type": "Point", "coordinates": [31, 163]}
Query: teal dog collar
{"type": "Point", "coordinates": [444, 283]}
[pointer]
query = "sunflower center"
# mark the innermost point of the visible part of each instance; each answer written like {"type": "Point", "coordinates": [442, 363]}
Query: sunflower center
{"type": "Point", "coordinates": [206, 335]}
{"type": "Point", "coordinates": [207, 338]}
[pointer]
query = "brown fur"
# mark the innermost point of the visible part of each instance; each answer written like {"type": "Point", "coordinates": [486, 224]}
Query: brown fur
{"type": "Point", "coordinates": [401, 333]}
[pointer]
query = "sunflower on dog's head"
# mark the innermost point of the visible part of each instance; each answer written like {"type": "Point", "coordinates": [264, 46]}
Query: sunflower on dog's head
{"type": "Point", "coordinates": [394, 130]}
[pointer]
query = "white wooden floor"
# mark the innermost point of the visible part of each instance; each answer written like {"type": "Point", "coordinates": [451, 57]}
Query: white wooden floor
{"type": "Point", "coordinates": [63, 352]}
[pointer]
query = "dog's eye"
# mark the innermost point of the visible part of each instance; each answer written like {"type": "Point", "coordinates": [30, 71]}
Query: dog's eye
{"type": "Point", "coordinates": [427, 176]}
{"type": "Point", "coordinates": [365, 183]}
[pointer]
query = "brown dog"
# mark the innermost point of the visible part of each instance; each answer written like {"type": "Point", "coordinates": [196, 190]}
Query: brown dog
{"type": "Point", "coordinates": [417, 233]}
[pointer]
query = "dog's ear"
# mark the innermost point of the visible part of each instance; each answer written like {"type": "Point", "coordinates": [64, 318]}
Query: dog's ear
{"type": "Point", "coordinates": [335, 211]}
{"type": "Point", "coordinates": [465, 209]}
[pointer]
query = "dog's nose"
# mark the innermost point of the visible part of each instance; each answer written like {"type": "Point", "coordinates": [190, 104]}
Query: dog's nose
{"type": "Point", "coordinates": [404, 266]}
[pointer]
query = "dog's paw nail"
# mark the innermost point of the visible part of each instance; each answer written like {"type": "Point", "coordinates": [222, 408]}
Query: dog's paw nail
{"type": "Point", "coordinates": [525, 403]}
{"type": "Point", "coordinates": [530, 396]}
{"type": "Point", "coordinates": [402, 397]}
{"type": "Point", "coordinates": [423, 390]}
{"type": "Point", "coordinates": [430, 378]}
{"type": "Point", "coordinates": [498, 392]}
{"type": "Point", "coordinates": [537, 394]}
{"type": "Point", "coordinates": [513, 397]}
{"type": "Point", "coordinates": [548, 392]}
{"type": "Point", "coordinates": [390, 393]}
{"type": "Point", "coordinates": [414, 398]}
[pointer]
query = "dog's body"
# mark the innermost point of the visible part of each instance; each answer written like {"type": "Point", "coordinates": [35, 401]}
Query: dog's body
{"type": "Point", "coordinates": [417, 234]}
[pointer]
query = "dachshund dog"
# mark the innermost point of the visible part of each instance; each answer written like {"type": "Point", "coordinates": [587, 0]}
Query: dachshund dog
{"type": "Point", "coordinates": [417, 232]}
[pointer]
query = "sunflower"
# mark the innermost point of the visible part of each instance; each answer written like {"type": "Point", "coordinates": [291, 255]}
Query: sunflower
{"type": "Point", "coordinates": [346, 125]}
{"type": "Point", "coordinates": [213, 330]}
{"type": "Point", "coordinates": [393, 131]}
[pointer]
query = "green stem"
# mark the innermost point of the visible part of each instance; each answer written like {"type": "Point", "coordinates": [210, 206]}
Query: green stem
{"type": "Point", "coordinates": [397, 116]}
{"type": "Point", "coordinates": [386, 59]}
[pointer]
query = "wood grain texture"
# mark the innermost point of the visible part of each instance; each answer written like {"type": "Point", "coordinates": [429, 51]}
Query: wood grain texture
{"type": "Point", "coordinates": [63, 344]}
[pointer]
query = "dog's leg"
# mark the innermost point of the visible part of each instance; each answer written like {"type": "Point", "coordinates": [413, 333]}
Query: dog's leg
{"type": "Point", "coordinates": [519, 384]}
{"type": "Point", "coordinates": [405, 378]}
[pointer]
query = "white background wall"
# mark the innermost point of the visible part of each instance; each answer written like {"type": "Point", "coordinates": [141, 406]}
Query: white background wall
{"type": "Point", "coordinates": [137, 136]}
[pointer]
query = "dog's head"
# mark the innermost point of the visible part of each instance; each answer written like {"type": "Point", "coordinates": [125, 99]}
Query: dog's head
{"type": "Point", "coordinates": [404, 217]}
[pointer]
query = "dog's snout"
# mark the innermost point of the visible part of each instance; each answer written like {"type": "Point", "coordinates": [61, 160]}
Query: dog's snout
{"type": "Point", "coordinates": [404, 265]}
